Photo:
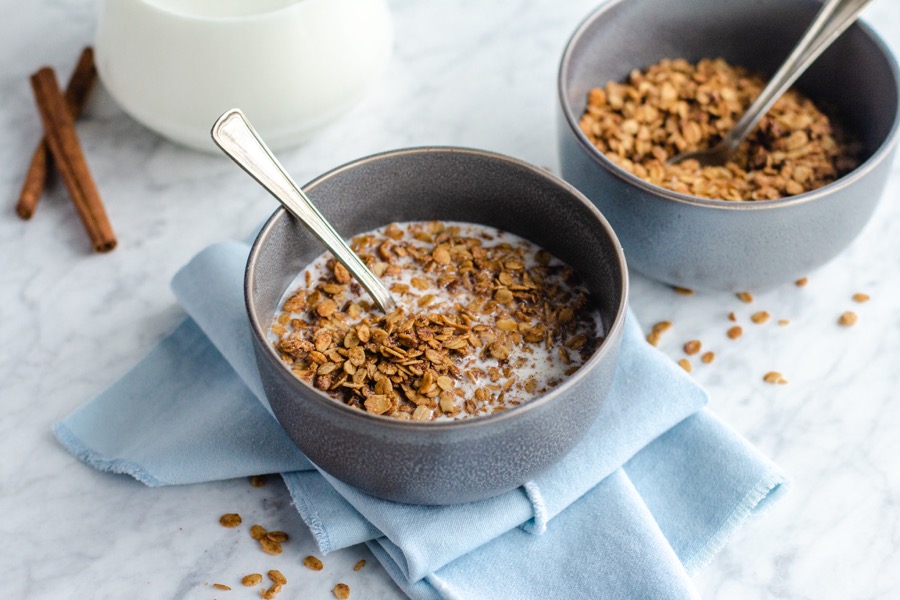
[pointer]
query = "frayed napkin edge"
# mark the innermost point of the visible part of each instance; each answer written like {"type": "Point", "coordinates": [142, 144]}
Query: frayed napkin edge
{"type": "Point", "coordinates": [767, 491]}
{"type": "Point", "coordinates": [80, 450]}
{"type": "Point", "coordinates": [309, 514]}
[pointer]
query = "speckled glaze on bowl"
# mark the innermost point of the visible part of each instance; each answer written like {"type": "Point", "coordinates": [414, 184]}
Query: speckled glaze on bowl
{"type": "Point", "coordinates": [440, 462]}
{"type": "Point", "coordinates": [716, 244]}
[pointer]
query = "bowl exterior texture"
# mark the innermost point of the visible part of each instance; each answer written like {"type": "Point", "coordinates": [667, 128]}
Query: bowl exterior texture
{"type": "Point", "coordinates": [714, 244]}
{"type": "Point", "coordinates": [460, 461]}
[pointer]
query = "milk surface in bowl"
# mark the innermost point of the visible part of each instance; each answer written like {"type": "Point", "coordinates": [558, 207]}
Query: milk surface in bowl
{"type": "Point", "coordinates": [485, 322]}
{"type": "Point", "coordinates": [292, 65]}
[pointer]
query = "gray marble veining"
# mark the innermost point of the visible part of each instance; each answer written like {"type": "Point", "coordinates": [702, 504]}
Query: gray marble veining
{"type": "Point", "coordinates": [463, 72]}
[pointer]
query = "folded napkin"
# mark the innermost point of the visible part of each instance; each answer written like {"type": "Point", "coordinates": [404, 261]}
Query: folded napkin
{"type": "Point", "coordinates": [652, 491]}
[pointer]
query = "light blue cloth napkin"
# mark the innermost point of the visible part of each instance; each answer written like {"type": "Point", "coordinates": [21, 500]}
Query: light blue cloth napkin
{"type": "Point", "coordinates": [654, 489]}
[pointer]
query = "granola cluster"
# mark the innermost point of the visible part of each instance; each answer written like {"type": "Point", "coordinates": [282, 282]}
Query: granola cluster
{"type": "Point", "coordinates": [674, 106]}
{"type": "Point", "coordinates": [486, 321]}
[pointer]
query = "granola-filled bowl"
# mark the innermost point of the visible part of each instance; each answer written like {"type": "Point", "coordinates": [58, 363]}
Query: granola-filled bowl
{"type": "Point", "coordinates": [440, 462]}
{"type": "Point", "coordinates": [702, 243]}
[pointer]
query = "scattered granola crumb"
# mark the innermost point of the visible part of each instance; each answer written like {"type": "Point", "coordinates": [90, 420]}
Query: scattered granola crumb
{"type": "Point", "coordinates": [692, 347]}
{"type": "Point", "coordinates": [745, 297]}
{"type": "Point", "coordinates": [359, 565]}
{"type": "Point", "coordinates": [848, 319]}
{"type": "Point", "coordinates": [270, 547]}
{"type": "Point", "coordinates": [682, 291]}
{"type": "Point", "coordinates": [277, 577]}
{"type": "Point", "coordinates": [341, 591]}
{"type": "Point", "coordinates": [860, 297]}
{"type": "Point", "coordinates": [657, 330]}
{"type": "Point", "coordinates": [221, 586]}
{"type": "Point", "coordinates": [802, 282]}
{"type": "Point", "coordinates": [313, 563]}
{"type": "Point", "coordinates": [760, 317]}
{"type": "Point", "coordinates": [774, 377]}
{"type": "Point", "coordinates": [732, 317]}
{"type": "Point", "coordinates": [230, 520]}
{"type": "Point", "coordinates": [735, 332]}
{"type": "Point", "coordinates": [252, 579]}
{"type": "Point", "coordinates": [662, 326]}
{"type": "Point", "coordinates": [708, 357]}
{"type": "Point", "coordinates": [685, 364]}
{"type": "Point", "coordinates": [277, 536]}
{"type": "Point", "coordinates": [258, 481]}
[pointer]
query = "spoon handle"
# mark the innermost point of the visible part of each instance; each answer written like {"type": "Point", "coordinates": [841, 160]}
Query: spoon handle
{"type": "Point", "coordinates": [831, 21]}
{"type": "Point", "coordinates": [234, 134]}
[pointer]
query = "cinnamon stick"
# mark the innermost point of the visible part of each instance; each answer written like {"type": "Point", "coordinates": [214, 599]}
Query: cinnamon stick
{"type": "Point", "coordinates": [77, 90]}
{"type": "Point", "coordinates": [62, 140]}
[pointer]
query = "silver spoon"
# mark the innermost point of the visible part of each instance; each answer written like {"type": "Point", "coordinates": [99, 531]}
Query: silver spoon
{"type": "Point", "coordinates": [831, 21]}
{"type": "Point", "coordinates": [234, 134]}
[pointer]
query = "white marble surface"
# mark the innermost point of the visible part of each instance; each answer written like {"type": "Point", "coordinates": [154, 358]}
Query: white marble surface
{"type": "Point", "coordinates": [464, 72]}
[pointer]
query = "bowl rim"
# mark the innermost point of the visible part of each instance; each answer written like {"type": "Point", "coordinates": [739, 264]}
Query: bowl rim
{"type": "Point", "coordinates": [848, 179]}
{"type": "Point", "coordinates": [613, 335]}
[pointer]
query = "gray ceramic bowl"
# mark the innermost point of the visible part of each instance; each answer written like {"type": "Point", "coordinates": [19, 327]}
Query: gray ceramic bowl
{"type": "Point", "coordinates": [440, 462]}
{"type": "Point", "coordinates": [715, 244]}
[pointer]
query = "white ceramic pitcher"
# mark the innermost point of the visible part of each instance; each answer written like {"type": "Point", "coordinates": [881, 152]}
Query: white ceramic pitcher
{"type": "Point", "coordinates": [291, 65]}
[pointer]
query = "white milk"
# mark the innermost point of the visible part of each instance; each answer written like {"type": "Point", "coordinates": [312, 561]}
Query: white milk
{"type": "Point", "coordinates": [532, 360]}
{"type": "Point", "coordinates": [291, 66]}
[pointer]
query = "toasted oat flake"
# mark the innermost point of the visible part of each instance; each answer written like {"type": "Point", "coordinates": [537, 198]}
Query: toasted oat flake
{"type": "Point", "coordinates": [270, 593]}
{"type": "Point", "coordinates": [708, 357]}
{"type": "Point", "coordinates": [662, 326]}
{"type": "Point", "coordinates": [860, 297]}
{"type": "Point", "coordinates": [277, 576]}
{"type": "Point", "coordinates": [783, 322]}
{"type": "Point", "coordinates": [774, 377]}
{"type": "Point", "coordinates": [252, 579]}
{"type": "Point", "coordinates": [692, 347]}
{"type": "Point", "coordinates": [341, 591]}
{"type": "Point", "coordinates": [732, 317]}
{"type": "Point", "coordinates": [735, 332]}
{"type": "Point", "coordinates": [848, 318]}
{"type": "Point", "coordinates": [269, 546]}
{"type": "Point", "coordinates": [745, 297]}
{"type": "Point", "coordinates": [313, 563]}
{"type": "Point", "coordinates": [802, 282]}
{"type": "Point", "coordinates": [277, 536]}
{"type": "Point", "coordinates": [258, 481]}
{"type": "Point", "coordinates": [653, 338]}
{"type": "Point", "coordinates": [257, 532]}
{"type": "Point", "coordinates": [685, 364]}
{"type": "Point", "coordinates": [359, 564]}
{"type": "Point", "coordinates": [473, 301]}
{"type": "Point", "coordinates": [760, 317]}
{"type": "Point", "coordinates": [230, 520]}
{"type": "Point", "coordinates": [422, 413]}
{"type": "Point", "coordinates": [221, 586]}
{"type": "Point", "coordinates": [682, 291]}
